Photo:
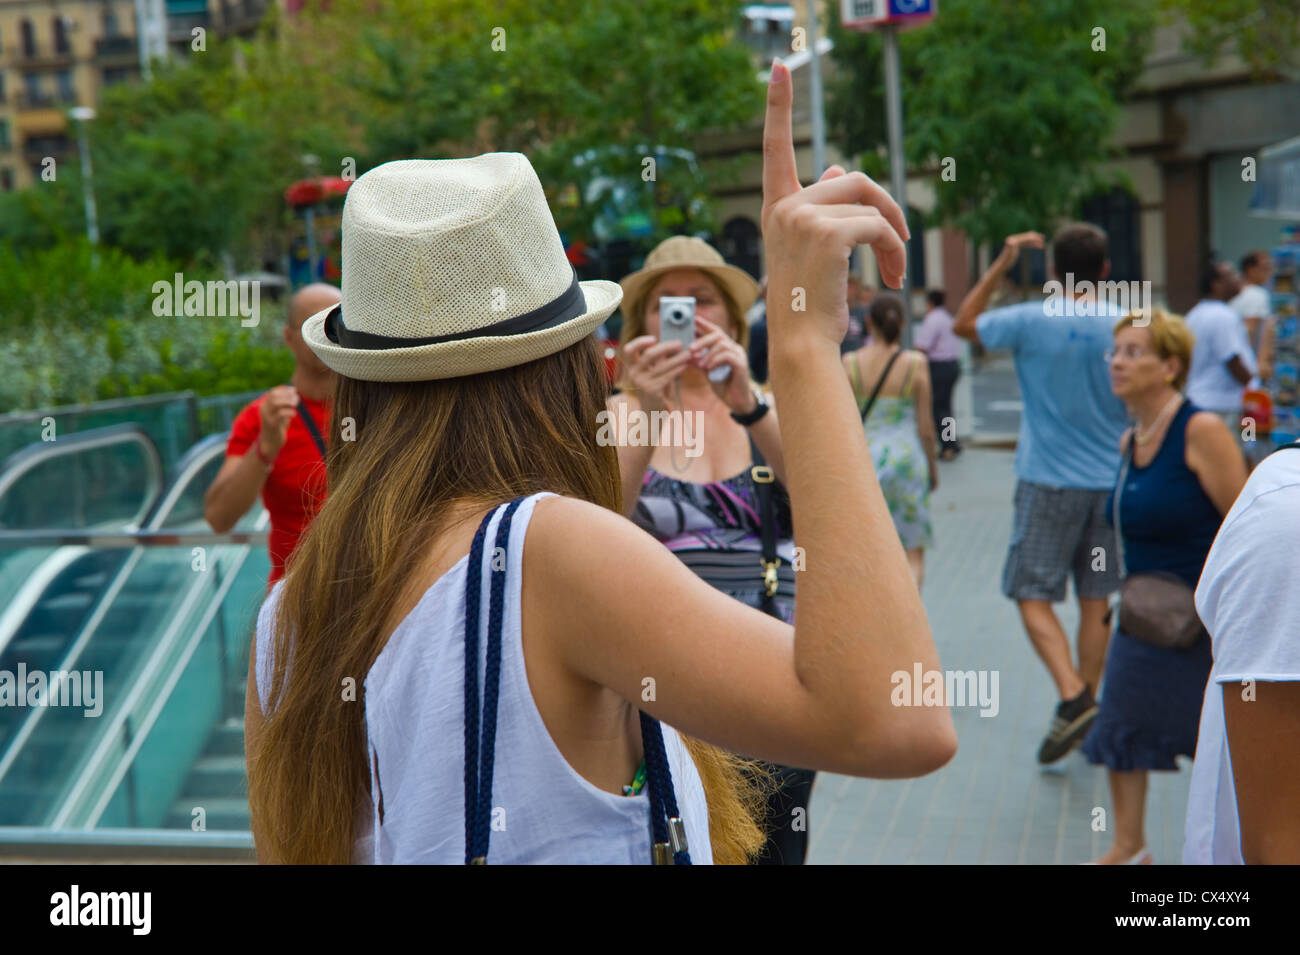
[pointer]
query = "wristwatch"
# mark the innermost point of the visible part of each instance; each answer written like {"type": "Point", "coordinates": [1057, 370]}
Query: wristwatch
{"type": "Point", "coordinates": [761, 408]}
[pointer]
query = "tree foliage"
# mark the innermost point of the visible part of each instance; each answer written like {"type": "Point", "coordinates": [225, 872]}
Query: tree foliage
{"type": "Point", "coordinates": [1014, 93]}
{"type": "Point", "coordinates": [1264, 33]}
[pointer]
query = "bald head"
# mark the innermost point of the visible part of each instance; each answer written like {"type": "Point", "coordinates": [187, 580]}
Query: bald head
{"type": "Point", "coordinates": [306, 302]}
{"type": "Point", "coordinates": [309, 300]}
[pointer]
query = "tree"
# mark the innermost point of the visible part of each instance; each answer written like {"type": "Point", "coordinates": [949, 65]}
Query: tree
{"type": "Point", "coordinates": [1264, 33]}
{"type": "Point", "coordinates": [1017, 100]}
{"type": "Point", "coordinates": [440, 77]}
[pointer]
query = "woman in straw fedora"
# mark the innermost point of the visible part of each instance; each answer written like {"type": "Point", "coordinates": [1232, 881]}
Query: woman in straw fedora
{"type": "Point", "coordinates": [693, 480]}
{"type": "Point", "coordinates": [469, 377]}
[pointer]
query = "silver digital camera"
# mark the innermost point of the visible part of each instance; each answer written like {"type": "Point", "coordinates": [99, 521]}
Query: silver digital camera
{"type": "Point", "coordinates": [677, 324]}
{"type": "Point", "coordinates": [677, 319]}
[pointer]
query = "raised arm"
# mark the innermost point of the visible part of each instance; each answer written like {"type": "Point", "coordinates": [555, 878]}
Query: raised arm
{"type": "Point", "coordinates": [631, 617]}
{"type": "Point", "coordinates": [977, 299]}
{"type": "Point", "coordinates": [235, 488]}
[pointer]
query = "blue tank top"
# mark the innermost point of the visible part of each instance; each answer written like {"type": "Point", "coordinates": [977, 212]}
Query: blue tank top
{"type": "Point", "coordinates": [1168, 520]}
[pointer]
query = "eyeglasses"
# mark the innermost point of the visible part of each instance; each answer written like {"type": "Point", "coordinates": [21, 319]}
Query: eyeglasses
{"type": "Point", "coordinates": [1132, 352]}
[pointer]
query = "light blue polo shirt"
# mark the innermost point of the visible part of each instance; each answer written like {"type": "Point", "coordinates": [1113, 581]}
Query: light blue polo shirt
{"type": "Point", "coordinates": [1072, 421]}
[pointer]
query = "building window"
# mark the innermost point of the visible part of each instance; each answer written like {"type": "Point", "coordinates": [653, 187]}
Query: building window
{"type": "Point", "coordinates": [117, 74]}
{"type": "Point", "coordinates": [4, 134]}
{"type": "Point", "coordinates": [2, 86]}
{"type": "Point", "coordinates": [739, 245]}
{"type": "Point", "coordinates": [1118, 213]}
{"type": "Point", "coordinates": [67, 92]}
{"type": "Point", "coordinates": [29, 37]}
{"type": "Point", "coordinates": [7, 179]}
{"type": "Point", "coordinates": [60, 35]}
{"type": "Point", "coordinates": [33, 83]}
{"type": "Point", "coordinates": [110, 22]}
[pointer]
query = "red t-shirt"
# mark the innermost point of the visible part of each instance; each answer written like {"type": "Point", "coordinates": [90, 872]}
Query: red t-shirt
{"type": "Point", "coordinates": [295, 489]}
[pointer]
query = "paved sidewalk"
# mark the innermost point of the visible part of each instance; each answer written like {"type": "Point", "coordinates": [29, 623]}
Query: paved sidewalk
{"type": "Point", "coordinates": [992, 803]}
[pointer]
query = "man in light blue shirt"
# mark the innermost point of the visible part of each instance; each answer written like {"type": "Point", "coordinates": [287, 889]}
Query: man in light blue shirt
{"type": "Point", "coordinates": [1067, 457]}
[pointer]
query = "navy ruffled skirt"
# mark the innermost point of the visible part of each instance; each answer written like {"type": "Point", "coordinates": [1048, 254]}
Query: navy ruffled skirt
{"type": "Point", "coordinates": [1150, 709]}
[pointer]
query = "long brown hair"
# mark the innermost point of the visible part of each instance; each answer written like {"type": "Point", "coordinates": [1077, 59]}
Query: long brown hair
{"type": "Point", "coordinates": [415, 449]}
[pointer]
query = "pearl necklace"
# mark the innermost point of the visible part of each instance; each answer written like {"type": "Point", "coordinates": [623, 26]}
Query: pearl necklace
{"type": "Point", "coordinates": [1142, 437]}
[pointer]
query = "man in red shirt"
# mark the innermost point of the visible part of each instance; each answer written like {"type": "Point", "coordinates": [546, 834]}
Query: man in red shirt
{"type": "Point", "coordinates": [272, 450]}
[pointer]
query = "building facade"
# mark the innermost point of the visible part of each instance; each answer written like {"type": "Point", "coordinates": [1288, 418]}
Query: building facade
{"type": "Point", "coordinates": [1189, 136]}
{"type": "Point", "coordinates": [56, 54]}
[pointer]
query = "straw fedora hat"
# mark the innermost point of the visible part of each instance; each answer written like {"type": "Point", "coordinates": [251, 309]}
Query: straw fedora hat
{"type": "Point", "coordinates": [452, 267]}
{"type": "Point", "coordinates": [687, 252]}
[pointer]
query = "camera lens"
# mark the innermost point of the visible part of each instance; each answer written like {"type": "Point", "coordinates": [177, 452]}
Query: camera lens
{"type": "Point", "coordinates": [676, 314]}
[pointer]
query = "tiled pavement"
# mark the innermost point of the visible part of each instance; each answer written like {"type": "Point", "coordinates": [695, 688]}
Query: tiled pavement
{"type": "Point", "coordinates": [992, 803]}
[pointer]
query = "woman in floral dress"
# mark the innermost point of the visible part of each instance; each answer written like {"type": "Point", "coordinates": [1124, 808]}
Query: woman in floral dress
{"type": "Point", "coordinates": [899, 427]}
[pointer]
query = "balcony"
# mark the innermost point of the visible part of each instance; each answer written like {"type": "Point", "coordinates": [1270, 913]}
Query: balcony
{"type": "Point", "coordinates": [42, 113]}
{"type": "Point", "coordinates": [117, 49]}
{"type": "Point", "coordinates": [36, 149]}
{"type": "Point", "coordinates": [28, 101]}
{"type": "Point", "coordinates": [41, 57]}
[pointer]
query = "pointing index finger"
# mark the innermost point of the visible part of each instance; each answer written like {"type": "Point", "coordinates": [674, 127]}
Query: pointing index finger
{"type": "Point", "coordinates": [780, 177]}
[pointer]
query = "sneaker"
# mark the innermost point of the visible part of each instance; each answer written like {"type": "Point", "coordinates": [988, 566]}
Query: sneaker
{"type": "Point", "coordinates": [1069, 726]}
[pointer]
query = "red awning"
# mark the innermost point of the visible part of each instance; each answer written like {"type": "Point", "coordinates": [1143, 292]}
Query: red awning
{"type": "Point", "coordinates": [308, 192]}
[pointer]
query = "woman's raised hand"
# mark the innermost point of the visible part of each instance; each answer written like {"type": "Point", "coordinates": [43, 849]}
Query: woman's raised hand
{"type": "Point", "coordinates": [808, 234]}
{"type": "Point", "coordinates": [652, 366]}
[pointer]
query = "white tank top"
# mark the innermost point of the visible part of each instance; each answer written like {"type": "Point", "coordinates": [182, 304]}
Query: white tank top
{"type": "Point", "coordinates": [543, 810]}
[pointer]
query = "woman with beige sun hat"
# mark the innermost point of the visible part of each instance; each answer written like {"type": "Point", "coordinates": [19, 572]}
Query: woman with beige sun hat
{"type": "Point", "coordinates": [712, 489]}
{"type": "Point", "coordinates": [445, 673]}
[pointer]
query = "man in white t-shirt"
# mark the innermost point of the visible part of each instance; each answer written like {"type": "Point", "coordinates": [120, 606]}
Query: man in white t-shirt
{"type": "Point", "coordinates": [1245, 787]}
{"type": "Point", "coordinates": [1222, 361]}
{"type": "Point", "coordinates": [1255, 306]}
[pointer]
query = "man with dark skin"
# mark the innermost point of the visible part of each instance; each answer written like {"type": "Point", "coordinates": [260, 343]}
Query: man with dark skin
{"type": "Point", "coordinates": [272, 452]}
{"type": "Point", "coordinates": [1223, 361]}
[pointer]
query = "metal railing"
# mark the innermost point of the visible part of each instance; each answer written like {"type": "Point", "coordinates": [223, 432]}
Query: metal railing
{"type": "Point", "coordinates": [165, 654]}
{"type": "Point", "coordinates": [32, 843]}
{"type": "Point", "coordinates": [23, 462]}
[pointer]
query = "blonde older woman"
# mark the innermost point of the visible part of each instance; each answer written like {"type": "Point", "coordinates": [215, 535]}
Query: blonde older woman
{"type": "Point", "coordinates": [1180, 475]}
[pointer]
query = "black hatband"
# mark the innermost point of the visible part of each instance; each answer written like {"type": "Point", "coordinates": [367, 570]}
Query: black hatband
{"type": "Point", "coordinates": [569, 305]}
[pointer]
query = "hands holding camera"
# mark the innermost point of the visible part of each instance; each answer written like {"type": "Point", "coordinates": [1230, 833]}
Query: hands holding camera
{"type": "Point", "coordinates": [653, 365]}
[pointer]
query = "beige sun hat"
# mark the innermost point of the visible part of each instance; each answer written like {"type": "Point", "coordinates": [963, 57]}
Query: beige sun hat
{"type": "Point", "coordinates": [687, 252]}
{"type": "Point", "coordinates": [452, 267]}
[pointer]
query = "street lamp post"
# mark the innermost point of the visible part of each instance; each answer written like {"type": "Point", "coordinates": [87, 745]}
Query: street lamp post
{"type": "Point", "coordinates": [83, 115]}
{"type": "Point", "coordinates": [815, 84]}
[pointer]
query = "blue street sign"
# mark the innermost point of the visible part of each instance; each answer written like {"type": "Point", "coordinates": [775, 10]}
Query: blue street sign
{"type": "Point", "coordinates": [867, 14]}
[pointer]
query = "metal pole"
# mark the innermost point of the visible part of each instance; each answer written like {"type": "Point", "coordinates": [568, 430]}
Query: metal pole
{"type": "Point", "coordinates": [309, 220]}
{"type": "Point", "coordinates": [815, 83]}
{"type": "Point", "coordinates": [88, 192]}
{"type": "Point", "coordinates": [897, 167]}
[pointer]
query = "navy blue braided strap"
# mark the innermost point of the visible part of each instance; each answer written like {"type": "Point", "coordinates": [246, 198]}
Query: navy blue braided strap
{"type": "Point", "coordinates": [666, 827]}
{"type": "Point", "coordinates": [480, 755]}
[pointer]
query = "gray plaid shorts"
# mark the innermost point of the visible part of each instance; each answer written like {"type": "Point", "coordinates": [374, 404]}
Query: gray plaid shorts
{"type": "Point", "coordinates": [1056, 531]}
